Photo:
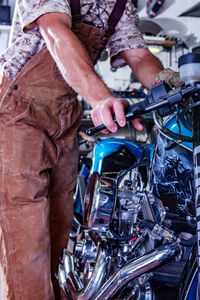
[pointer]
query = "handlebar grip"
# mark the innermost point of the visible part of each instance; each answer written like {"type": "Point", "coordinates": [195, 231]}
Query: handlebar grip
{"type": "Point", "coordinates": [133, 111]}
{"type": "Point", "coordinates": [93, 130]}
{"type": "Point", "coordinates": [154, 101]}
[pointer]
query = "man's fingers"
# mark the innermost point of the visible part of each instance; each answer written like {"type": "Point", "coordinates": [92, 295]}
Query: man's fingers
{"type": "Point", "coordinates": [107, 117]}
{"type": "Point", "coordinates": [119, 112]}
{"type": "Point", "coordinates": [96, 118]}
{"type": "Point", "coordinates": [104, 111]}
{"type": "Point", "coordinates": [137, 124]}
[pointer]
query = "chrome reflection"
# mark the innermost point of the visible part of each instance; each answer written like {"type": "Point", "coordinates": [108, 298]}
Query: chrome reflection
{"type": "Point", "coordinates": [99, 202]}
{"type": "Point", "coordinates": [71, 283]}
{"type": "Point", "coordinates": [96, 288]}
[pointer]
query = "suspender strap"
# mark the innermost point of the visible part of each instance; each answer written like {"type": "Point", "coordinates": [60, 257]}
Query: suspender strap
{"type": "Point", "coordinates": [113, 19]}
{"type": "Point", "coordinates": [115, 16]}
{"type": "Point", "coordinates": [76, 11]}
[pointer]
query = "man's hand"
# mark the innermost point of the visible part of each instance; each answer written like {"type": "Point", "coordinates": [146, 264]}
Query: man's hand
{"type": "Point", "coordinates": [169, 76]}
{"type": "Point", "coordinates": [103, 113]}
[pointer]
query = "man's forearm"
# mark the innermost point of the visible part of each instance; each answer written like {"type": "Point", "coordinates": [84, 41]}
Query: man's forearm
{"type": "Point", "coordinates": [76, 68]}
{"type": "Point", "coordinates": [74, 63]}
{"type": "Point", "coordinates": [144, 65]}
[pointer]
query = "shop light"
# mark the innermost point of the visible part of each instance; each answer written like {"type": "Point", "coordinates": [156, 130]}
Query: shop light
{"type": "Point", "coordinates": [155, 49]}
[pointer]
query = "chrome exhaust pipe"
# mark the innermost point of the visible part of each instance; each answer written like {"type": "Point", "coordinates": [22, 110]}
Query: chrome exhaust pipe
{"type": "Point", "coordinates": [61, 276]}
{"type": "Point", "coordinates": [70, 271]}
{"type": "Point", "coordinates": [96, 290]}
{"type": "Point", "coordinates": [73, 282]}
{"type": "Point", "coordinates": [135, 268]}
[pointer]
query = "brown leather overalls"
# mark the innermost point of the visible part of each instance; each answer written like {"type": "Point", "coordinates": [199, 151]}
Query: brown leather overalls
{"type": "Point", "coordinates": [39, 118]}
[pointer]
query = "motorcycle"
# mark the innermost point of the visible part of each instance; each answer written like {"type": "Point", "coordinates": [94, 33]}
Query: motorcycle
{"type": "Point", "coordinates": [136, 235]}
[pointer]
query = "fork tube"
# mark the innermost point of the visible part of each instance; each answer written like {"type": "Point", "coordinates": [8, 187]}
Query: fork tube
{"type": "Point", "coordinates": [196, 160]}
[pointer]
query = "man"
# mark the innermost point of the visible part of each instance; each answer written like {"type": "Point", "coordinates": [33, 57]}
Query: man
{"type": "Point", "coordinates": [54, 44]}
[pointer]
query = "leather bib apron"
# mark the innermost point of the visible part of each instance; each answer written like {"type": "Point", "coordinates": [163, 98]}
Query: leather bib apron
{"type": "Point", "coordinates": [39, 118]}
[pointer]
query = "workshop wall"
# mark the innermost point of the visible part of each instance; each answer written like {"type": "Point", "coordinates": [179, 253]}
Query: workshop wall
{"type": "Point", "coordinates": [5, 29]}
{"type": "Point", "coordinates": [185, 29]}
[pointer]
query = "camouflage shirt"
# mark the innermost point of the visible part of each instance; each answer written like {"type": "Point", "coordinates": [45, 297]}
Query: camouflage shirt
{"type": "Point", "coordinates": [26, 39]}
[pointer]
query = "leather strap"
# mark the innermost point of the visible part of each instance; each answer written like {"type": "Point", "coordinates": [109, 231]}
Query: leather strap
{"type": "Point", "coordinates": [76, 11]}
{"type": "Point", "coordinates": [115, 16]}
{"type": "Point", "coordinates": [113, 19]}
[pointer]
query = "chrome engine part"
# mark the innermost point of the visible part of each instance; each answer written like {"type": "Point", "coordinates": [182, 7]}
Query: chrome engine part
{"type": "Point", "coordinates": [124, 235]}
{"type": "Point", "coordinates": [97, 287]}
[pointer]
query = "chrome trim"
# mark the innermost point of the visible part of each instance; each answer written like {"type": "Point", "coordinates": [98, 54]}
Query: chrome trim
{"type": "Point", "coordinates": [135, 268]}
{"type": "Point", "coordinates": [99, 202]}
{"type": "Point", "coordinates": [95, 280]}
{"type": "Point", "coordinates": [96, 290]}
{"type": "Point", "coordinates": [70, 271]}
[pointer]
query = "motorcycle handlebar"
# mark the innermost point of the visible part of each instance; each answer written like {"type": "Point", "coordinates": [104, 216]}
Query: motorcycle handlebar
{"type": "Point", "coordinates": [133, 111]}
{"type": "Point", "coordinates": [160, 97]}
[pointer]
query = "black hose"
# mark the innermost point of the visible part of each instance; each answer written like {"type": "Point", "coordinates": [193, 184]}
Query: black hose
{"type": "Point", "coordinates": [184, 226]}
{"type": "Point", "coordinates": [188, 243]}
{"type": "Point", "coordinates": [146, 224]}
{"type": "Point", "coordinates": [173, 216]}
{"type": "Point", "coordinates": [119, 237]}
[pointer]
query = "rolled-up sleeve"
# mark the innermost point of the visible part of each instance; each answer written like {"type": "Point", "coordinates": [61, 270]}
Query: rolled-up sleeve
{"type": "Point", "coordinates": [30, 10]}
{"type": "Point", "coordinates": [126, 36]}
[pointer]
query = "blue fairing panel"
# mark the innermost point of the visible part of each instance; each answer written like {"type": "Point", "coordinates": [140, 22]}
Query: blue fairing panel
{"type": "Point", "coordinates": [106, 147]}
